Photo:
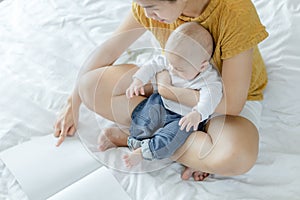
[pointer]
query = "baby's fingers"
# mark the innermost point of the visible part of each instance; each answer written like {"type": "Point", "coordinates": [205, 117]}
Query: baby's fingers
{"type": "Point", "coordinates": [142, 91]}
{"type": "Point", "coordinates": [189, 126]}
{"type": "Point", "coordinates": [136, 91]}
{"type": "Point", "coordinates": [129, 92]}
{"type": "Point", "coordinates": [183, 123]}
{"type": "Point", "coordinates": [195, 127]}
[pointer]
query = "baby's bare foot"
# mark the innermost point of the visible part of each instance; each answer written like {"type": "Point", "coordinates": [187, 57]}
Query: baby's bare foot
{"type": "Point", "coordinates": [133, 158]}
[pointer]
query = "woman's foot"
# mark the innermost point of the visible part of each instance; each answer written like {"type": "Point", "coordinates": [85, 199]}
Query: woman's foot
{"type": "Point", "coordinates": [112, 137]}
{"type": "Point", "coordinates": [197, 175]}
{"type": "Point", "coordinates": [133, 158]}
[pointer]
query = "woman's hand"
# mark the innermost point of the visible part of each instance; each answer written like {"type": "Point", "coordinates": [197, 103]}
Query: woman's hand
{"type": "Point", "coordinates": [66, 123]}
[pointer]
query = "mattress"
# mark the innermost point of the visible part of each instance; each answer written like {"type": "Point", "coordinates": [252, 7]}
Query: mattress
{"type": "Point", "coordinates": [44, 44]}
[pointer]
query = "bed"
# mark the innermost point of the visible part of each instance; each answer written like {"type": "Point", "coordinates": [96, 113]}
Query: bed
{"type": "Point", "coordinates": [43, 45]}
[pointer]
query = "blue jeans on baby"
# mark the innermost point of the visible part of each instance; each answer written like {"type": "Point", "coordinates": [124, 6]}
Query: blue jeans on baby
{"type": "Point", "coordinates": [155, 129]}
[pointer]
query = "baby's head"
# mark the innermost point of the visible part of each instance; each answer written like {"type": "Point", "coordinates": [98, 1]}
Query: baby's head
{"type": "Point", "coordinates": [189, 49]}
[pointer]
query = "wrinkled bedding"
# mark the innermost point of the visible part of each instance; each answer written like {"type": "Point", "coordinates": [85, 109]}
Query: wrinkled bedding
{"type": "Point", "coordinates": [43, 45]}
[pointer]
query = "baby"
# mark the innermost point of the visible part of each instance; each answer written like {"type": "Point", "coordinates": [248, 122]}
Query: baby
{"type": "Point", "coordinates": [159, 125]}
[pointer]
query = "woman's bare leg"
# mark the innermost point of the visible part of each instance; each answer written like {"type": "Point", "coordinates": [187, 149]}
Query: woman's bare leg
{"type": "Point", "coordinates": [103, 91]}
{"type": "Point", "coordinates": [229, 147]}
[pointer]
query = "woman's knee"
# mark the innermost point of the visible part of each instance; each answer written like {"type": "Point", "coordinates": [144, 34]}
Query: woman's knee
{"type": "Point", "coordinates": [87, 87]}
{"type": "Point", "coordinates": [238, 145]}
{"type": "Point", "coordinates": [103, 91]}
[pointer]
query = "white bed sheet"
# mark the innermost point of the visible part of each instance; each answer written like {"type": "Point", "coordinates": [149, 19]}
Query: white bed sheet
{"type": "Point", "coordinates": [43, 44]}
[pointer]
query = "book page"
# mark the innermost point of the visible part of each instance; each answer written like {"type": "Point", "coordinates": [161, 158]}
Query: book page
{"type": "Point", "coordinates": [42, 169]}
{"type": "Point", "coordinates": [100, 184]}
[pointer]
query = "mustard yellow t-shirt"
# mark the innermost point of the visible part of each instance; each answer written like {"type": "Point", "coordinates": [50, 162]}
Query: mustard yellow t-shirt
{"type": "Point", "coordinates": [234, 26]}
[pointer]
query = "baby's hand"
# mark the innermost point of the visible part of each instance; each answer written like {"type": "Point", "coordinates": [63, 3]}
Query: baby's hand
{"type": "Point", "coordinates": [192, 119]}
{"type": "Point", "coordinates": [136, 88]}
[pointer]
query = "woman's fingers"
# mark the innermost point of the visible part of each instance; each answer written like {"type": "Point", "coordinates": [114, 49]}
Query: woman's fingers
{"type": "Point", "coordinates": [57, 129]}
{"type": "Point", "coordinates": [65, 129]}
{"type": "Point", "coordinates": [56, 133]}
{"type": "Point", "coordinates": [66, 124]}
{"type": "Point", "coordinates": [60, 140]}
{"type": "Point", "coordinates": [63, 134]}
{"type": "Point", "coordinates": [71, 131]}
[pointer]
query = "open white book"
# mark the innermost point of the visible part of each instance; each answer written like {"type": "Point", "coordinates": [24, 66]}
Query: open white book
{"type": "Point", "coordinates": [45, 171]}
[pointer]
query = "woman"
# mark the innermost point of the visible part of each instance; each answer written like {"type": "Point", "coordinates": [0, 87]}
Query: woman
{"type": "Point", "coordinates": [230, 144]}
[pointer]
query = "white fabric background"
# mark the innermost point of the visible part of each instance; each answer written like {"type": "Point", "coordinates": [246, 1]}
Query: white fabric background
{"type": "Point", "coordinates": [43, 44]}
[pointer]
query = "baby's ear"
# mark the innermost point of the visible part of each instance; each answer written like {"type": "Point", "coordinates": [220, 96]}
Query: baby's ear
{"type": "Point", "coordinates": [204, 65]}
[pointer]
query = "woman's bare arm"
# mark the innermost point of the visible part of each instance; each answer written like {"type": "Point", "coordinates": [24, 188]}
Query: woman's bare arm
{"type": "Point", "coordinates": [236, 76]}
{"type": "Point", "coordinates": [129, 31]}
{"type": "Point", "coordinates": [185, 96]}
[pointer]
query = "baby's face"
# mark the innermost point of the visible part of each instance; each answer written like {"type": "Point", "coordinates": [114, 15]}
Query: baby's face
{"type": "Point", "coordinates": [181, 67]}
{"type": "Point", "coordinates": [186, 57]}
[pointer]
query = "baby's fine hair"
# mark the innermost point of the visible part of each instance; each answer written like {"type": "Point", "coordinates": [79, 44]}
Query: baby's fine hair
{"type": "Point", "coordinates": [194, 34]}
